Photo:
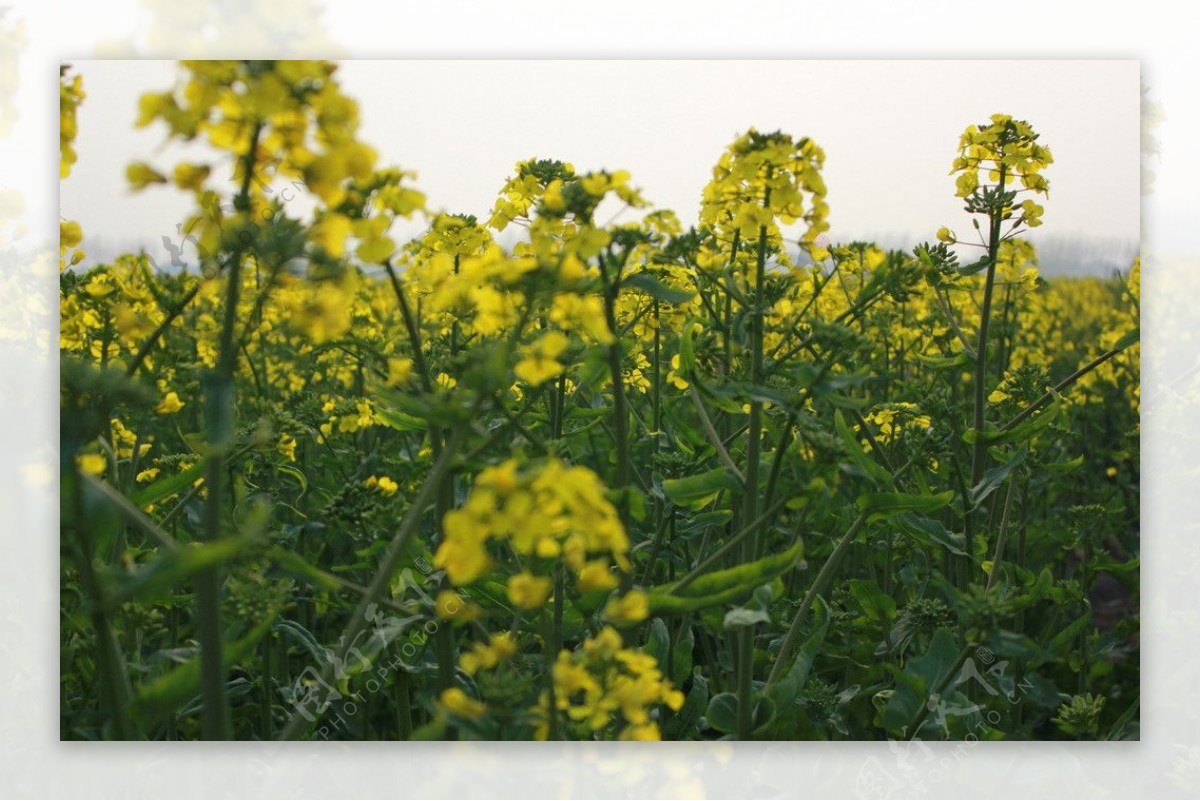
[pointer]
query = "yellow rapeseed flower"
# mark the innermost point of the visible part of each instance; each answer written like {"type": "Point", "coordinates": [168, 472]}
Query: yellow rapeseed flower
{"type": "Point", "coordinates": [92, 463]}
{"type": "Point", "coordinates": [632, 607]}
{"type": "Point", "coordinates": [485, 657]}
{"type": "Point", "coordinates": [287, 446]}
{"type": "Point", "coordinates": [529, 592]}
{"type": "Point", "coordinates": [169, 404]}
{"type": "Point", "coordinates": [450, 605]}
{"type": "Point", "coordinates": [399, 371]}
{"type": "Point", "coordinates": [461, 704]}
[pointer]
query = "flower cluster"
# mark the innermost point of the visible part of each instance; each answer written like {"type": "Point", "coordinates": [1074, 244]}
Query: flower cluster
{"type": "Point", "coordinates": [892, 419]}
{"type": "Point", "coordinates": [70, 95]}
{"type": "Point", "coordinates": [545, 513]}
{"type": "Point", "coordinates": [763, 181]}
{"type": "Point", "coordinates": [285, 118]}
{"type": "Point", "coordinates": [1006, 152]}
{"type": "Point", "coordinates": [603, 682]}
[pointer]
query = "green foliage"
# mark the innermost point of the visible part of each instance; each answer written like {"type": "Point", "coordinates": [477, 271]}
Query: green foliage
{"type": "Point", "coordinates": [622, 480]}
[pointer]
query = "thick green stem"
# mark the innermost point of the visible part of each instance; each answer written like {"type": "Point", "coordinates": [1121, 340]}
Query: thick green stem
{"type": "Point", "coordinates": [657, 415]}
{"type": "Point", "coordinates": [219, 413]}
{"type": "Point", "coordinates": [754, 434]}
{"type": "Point", "coordinates": [620, 410]}
{"type": "Point", "coordinates": [979, 419]}
{"type": "Point", "coordinates": [745, 686]}
{"type": "Point", "coordinates": [553, 644]}
{"type": "Point", "coordinates": [404, 721]}
{"type": "Point", "coordinates": [977, 462]}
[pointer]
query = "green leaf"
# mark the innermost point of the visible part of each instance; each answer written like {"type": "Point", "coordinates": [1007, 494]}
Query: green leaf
{"type": "Point", "coordinates": [885, 504]}
{"type": "Point", "coordinates": [930, 533]}
{"type": "Point", "coordinates": [306, 638]}
{"type": "Point", "coordinates": [1130, 338]}
{"type": "Point", "coordinates": [1122, 728]}
{"type": "Point", "coordinates": [693, 707]}
{"type": "Point", "coordinates": [1021, 433]}
{"type": "Point", "coordinates": [1036, 590]}
{"type": "Point", "coordinates": [658, 642]}
{"type": "Point", "coordinates": [868, 466]}
{"type": "Point", "coordinates": [1065, 466]}
{"type": "Point", "coordinates": [681, 655]}
{"type": "Point", "coordinates": [657, 289]}
{"type": "Point", "coordinates": [946, 362]}
{"type": "Point", "coordinates": [687, 351]}
{"type": "Point", "coordinates": [164, 488]}
{"type": "Point", "coordinates": [176, 566]}
{"type": "Point", "coordinates": [706, 520]}
{"type": "Point", "coordinates": [663, 603]}
{"type": "Point", "coordinates": [1010, 645]}
{"type": "Point", "coordinates": [168, 692]}
{"type": "Point", "coordinates": [594, 370]}
{"type": "Point", "coordinates": [785, 691]}
{"type": "Point", "coordinates": [301, 479]}
{"type": "Point", "coordinates": [994, 478]}
{"type": "Point", "coordinates": [699, 490]}
{"type": "Point", "coordinates": [722, 713]}
{"type": "Point", "coordinates": [293, 563]}
{"type": "Point", "coordinates": [920, 677]}
{"type": "Point", "coordinates": [401, 421]}
{"type": "Point", "coordinates": [764, 713]}
{"type": "Point", "coordinates": [742, 616]}
{"type": "Point", "coordinates": [748, 575]}
{"type": "Point", "coordinates": [974, 267]}
{"type": "Point", "coordinates": [871, 598]}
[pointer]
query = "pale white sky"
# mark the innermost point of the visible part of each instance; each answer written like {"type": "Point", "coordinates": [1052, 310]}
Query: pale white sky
{"type": "Point", "coordinates": [889, 130]}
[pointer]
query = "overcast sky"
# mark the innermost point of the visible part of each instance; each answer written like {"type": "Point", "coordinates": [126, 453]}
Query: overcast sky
{"type": "Point", "coordinates": [889, 130]}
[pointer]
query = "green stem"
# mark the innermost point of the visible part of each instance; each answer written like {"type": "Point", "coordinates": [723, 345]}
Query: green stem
{"type": "Point", "coordinates": [713, 437]}
{"type": "Point", "coordinates": [553, 644]}
{"type": "Point", "coordinates": [1045, 399]}
{"type": "Point", "coordinates": [667, 520]}
{"type": "Point", "coordinates": [620, 412]}
{"type": "Point", "coordinates": [410, 326]}
{"type": "Point", "coordinates": [1001, 536]}
{"type": "Point", "coordinates": [657, 415]}
{"type": "Point", "coordinates": [754, 434]}
{"type": "Point", "coordinates": [922, 713]}
{"type": "Point", "coordinates": [380, 582]}
{"type": "Point", "coordinates": [818, 586]}
{"type": "Point", "coordinates": [268, 688]}
{"type": "Point", "coordinates": [980, 454]}
{"type": "Point", "coordinates": [404, 721]}
{"type": "Point", "coordinates": [114, 679]}
{"type": "Point", "coordinates": [745, 686]}
{"type": "Point", "coordinates": [219, 413]}
{"type": "Point", "coordinates": [785, 439]}
{"type": "Point", "coordinates": [729, 546]}
{"type": "Point", "coordinates": [172, 314]}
